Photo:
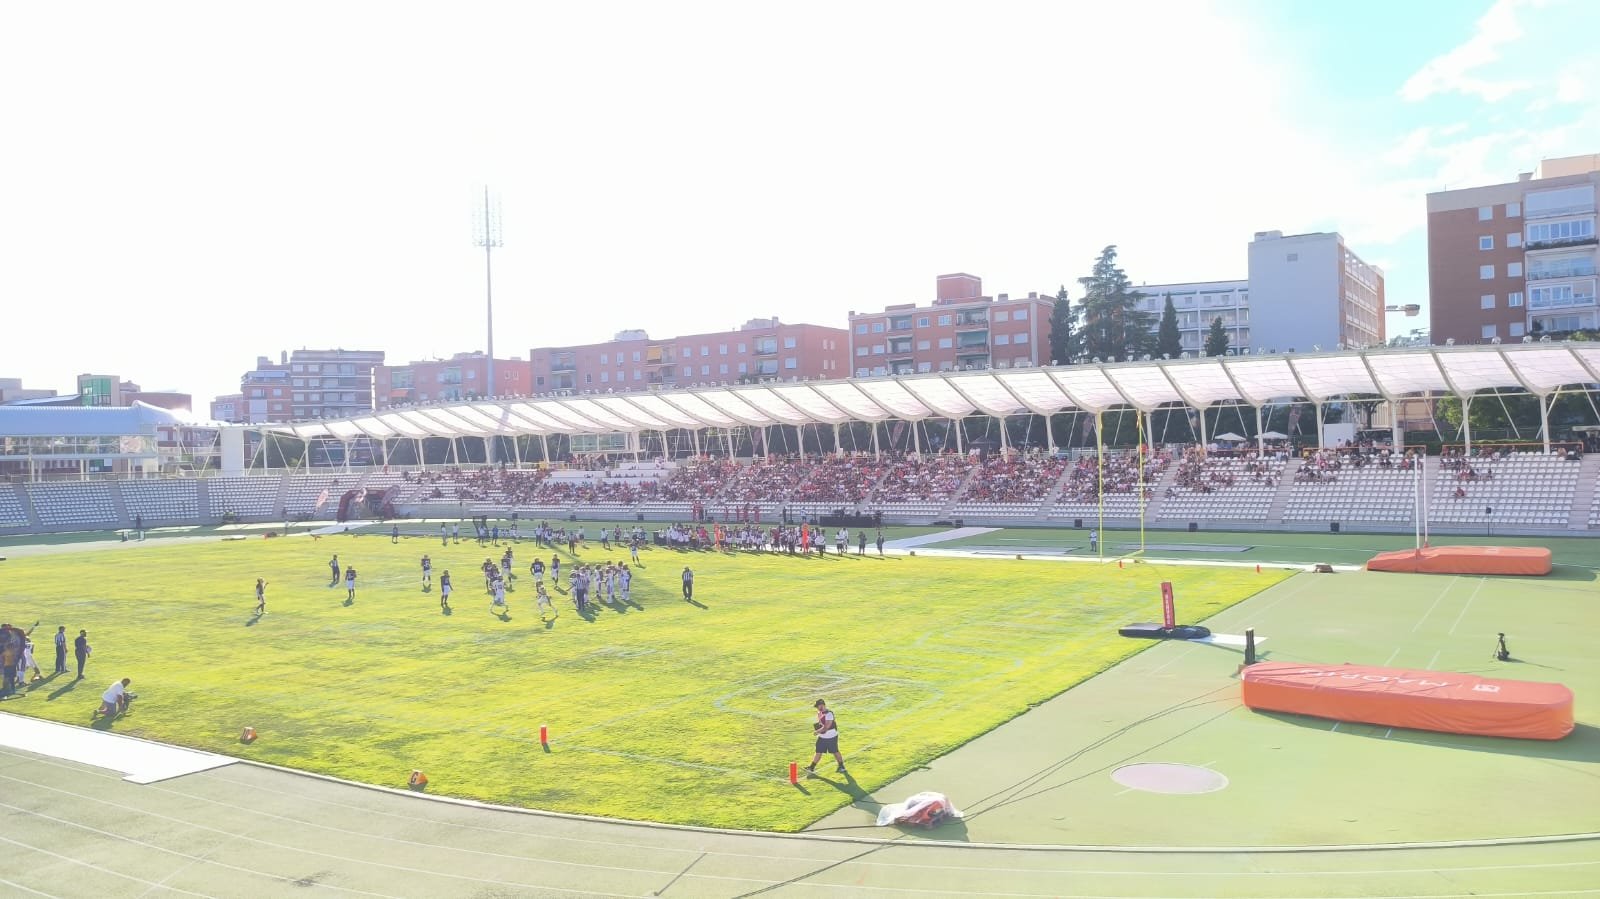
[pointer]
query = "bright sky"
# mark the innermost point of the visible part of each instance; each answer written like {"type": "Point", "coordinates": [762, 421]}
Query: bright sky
{"type": "Point", "coordinates": [188, 186]}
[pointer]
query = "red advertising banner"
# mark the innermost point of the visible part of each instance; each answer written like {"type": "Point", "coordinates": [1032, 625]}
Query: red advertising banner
{"type": "Point", "coordinates": [1169, 614]}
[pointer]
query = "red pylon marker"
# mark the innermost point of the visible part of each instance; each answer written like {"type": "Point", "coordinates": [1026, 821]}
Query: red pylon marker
{"type": "Point", "coordinates": [418, 780]}
{"type": "Point", "coordinates": [794, 772]}
{"type": "Point", "coordinates": [1119, 564]}
{"type": "Point", "coordinates": [544, 735]}
{"type": "Point", "coordinates": [1258, 568]}
{"type": "Point", "coordinates": [248, 736]}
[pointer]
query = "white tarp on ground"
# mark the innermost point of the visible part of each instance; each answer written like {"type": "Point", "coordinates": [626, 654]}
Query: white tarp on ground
{"type": "Point", "coordinates": [142, 762]}
{"type": "Point", "coordinates": [921, 810]}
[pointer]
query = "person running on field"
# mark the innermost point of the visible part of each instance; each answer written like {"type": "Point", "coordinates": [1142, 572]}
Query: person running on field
{"type": "Point", "coordinates": [545, 605]}
{"type": "Point", "coordinates": [444, 590]}
{"type": "Point", "coordinates": [633, 548]}
{"type": "Point", "coordinates": [499, 594]}
{"type": "Point", "coordinates": [555, 570]}
{"type": "Point", "coordinates": [827, 731]}
{"type": "Point", "coordinates": [261, 596]}
{"type": "Point", "coordinates": [537, 570]}
{"type": "Point", "coordinates": [505, 569]}
{"type": "Point", "coordinates": [688, 583]}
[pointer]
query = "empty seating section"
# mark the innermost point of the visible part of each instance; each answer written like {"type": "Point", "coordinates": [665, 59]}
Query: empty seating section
{"type": "Point", "coordinates": [488, 486]}
{"type": "Point", "coordinates": [244, 497]}
{"type": "Point", "coordinates": [1514, 490]}
{"type": "Point", "coordinates": [12, 512]}
{"type": "Point", "coordinates": [85, 504]}
{"type": "Point", "coordinates": [161, 500]}
{"type": "Point", "coordinates": [1080, 494]}
{"type": "Point", "coordinates": [1221, 488]}
{"type": "Point", "coordinates": [1594, 507]}
{"type": "Point", "coordinates": [1353, 485]}
{"type": "Point", "coordinates": [305, 494]}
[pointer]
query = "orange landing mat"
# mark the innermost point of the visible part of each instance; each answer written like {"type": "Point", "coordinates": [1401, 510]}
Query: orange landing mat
{"type": "Point", "coordinates": [1465, 560]}
{"type": "Point", "coordinates": [1419, 700]}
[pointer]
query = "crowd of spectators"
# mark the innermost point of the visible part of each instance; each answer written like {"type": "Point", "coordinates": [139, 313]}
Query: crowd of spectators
{"type": "Point", "coordinates": [1015, 478]}
{"type": "Point", "coordinates": [840, 479]}
{"type": "Point", "coordinates": [766, 480]}
{"type": "Point", "coordinates": [497, 485]}
{"type": "Point", "coordinates": [1201, 473]}
{"type": "Point", "coordinates": [923, 478]}
{"type": "Point", "coordinates": [1121, 475]}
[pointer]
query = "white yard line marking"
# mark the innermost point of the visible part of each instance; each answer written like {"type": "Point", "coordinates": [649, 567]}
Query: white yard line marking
{"type": "Point", "coordinates": [1391, 656]}
{"type": "Point", "coordinates": [1467, 606]}
{"type": "Point", "coordinates": [1418, 626]}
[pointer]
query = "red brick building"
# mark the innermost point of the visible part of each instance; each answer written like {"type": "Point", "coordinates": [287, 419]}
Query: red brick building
{"type": "Point", "coordinates": [462, 376]}
{"type": "Point", "coordinates": [763, 348]}
{"type": "Point", "coordinates": [962, 329]}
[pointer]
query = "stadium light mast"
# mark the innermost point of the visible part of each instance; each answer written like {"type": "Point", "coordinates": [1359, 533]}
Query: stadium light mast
{"type": "Point", "coordinates": [487, 234]}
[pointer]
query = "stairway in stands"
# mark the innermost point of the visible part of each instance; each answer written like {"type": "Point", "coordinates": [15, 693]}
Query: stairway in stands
{"type": "Point", "coordinates": [1280, 500]}
{"type": "Point", "coordinates": [124, 520]}
{"type": "Point", "coordinates": [946, 510]}
{"type": "Point", "coordinates": [1583, 499]}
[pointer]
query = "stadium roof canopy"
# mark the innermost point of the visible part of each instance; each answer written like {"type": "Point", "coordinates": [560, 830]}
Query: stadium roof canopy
{"type": "Point", "coordinates": [89, 421]}
{"type": "Point", "coordinates": [1539, 368]}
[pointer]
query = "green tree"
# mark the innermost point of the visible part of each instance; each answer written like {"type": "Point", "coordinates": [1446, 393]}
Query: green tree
{"type": "Point", "coordinates": [1168, 343]}
{"type": "Point", "coordinates": [1063, 330]}
{"type": "Point", "coordinates": [1113, 324]}
{"type": "Point", "coordinates": [1217, 339]}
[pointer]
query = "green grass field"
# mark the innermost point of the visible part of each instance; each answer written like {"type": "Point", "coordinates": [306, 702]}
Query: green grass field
{"type": "Point", "coordinates": [670, 711]}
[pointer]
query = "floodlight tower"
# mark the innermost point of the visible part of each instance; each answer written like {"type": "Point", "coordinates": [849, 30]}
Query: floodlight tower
{"type": "Point", "coordinates": [487, 234]}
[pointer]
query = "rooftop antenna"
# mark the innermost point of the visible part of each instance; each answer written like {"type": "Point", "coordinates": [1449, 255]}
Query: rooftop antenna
{"type": "Point", "coordinates": [487, 234]}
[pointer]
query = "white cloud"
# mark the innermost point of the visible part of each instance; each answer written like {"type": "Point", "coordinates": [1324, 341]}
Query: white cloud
{"type": "Point", "coordinates": [1458, 70]}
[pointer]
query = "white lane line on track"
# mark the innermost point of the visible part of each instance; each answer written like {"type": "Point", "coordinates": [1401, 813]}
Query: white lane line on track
{"type": "Point", "coordinates": [1467, 606]}
{"type": "Point", "coordinates": [1418, 626]}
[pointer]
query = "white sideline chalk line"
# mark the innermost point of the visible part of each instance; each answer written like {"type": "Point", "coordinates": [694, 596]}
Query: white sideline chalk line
{"type": "Point", "coordinates": [140, 761]}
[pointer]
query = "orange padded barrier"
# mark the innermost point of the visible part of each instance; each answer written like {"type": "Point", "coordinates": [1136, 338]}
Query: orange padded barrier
{"type": "Point", "coordinates": [1420, 700]}
{"type": "Point", "coordinates": [1465, 560]}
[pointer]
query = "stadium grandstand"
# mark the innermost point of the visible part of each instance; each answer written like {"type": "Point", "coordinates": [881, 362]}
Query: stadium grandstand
{"type": "Point", "coordinates": [1171, 443]}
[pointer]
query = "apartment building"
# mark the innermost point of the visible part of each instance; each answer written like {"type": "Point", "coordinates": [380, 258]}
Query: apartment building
{"type": "Point", "coordinates": [961, 329]}
{"type": "Point", "coordinates": [1515, 260]}
{"type": "Point", "coordinates": [304, 384]}
{"type": "Point", "coordinates": [1309, 290]}
{"type": "Point", "coordinates": [462, 376]}
{"type": "Point", "coordinates": [1197, 304]}
{"type": "Point", "coordinates": [761, 349]}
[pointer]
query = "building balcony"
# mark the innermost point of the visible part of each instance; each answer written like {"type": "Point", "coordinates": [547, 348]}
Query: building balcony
{"type": "Point", "coordinates": [1535, 245]}
{"type": "Point", "coordinates": [766, 349]}
{"type": "Point", "coordinates": [1559, 211]}
{"type": "Point", "coordinates": [563, 366]}
{"type": "Point", "coordinates": [1561, 271]}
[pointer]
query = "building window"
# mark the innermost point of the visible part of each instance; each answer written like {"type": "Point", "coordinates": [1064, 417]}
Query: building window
{"type": "Point", "coordinates": [1486, 301]}
{"type": "Point", "coordinates": [924, 344]}
{"type": "Point", "coordinates": [705, 370]}
{"type": "Point", "coordinates": [924, 367]}
{"type": "Point", "coordinates": [946, 343]}
{"type": "Point", "coordinates": [1490, 331]}
{"type": "Point", "coordinates": [688, 371]}
{"type": "Point", "coordinates": [638, 375]}
{"type": "Point", "coordinates": [877, 327]}
{"type": "Point", "coordinates": [722, 349]}
{"type": "Point", "coordinates": [1020, 338]}
{"type": "Point", "coordinates": [1001, 315]}
{"type": "Point", "coordinates": [861, 351]}
{"type": "Point", "coordinates": [1513, 269]}
{"type": "Point", "coordinates": [1294, 257]}
{"type": "Point", "coordinates": [722, 369]}
{"type": "Point", "coordinates": [743, 349]}
{"type": "Point", "coordinates": [1485, 272]}
{"type": "Point", "coordinates": [1514, 239]}
{"type": "Point", "coordinates": [791, 362]}
{"type": "Point", "coordinates": [1514, 299]}
{"type": "Point", "coordinates": [1485, 213]}
{"type": "Point", "coordinates": [605, 358]}
{"type": "Point", "coordinates": [1486, 242]}
{"type": "Point", "coordinates": [636, 355]}
{"type": "Point", "coordinates": [947, 366]}
{"type": "Point", "coordinates": [944, 320]}
{"type": "Point", "coordinates": [1514, 329]}
{"type": "Point", "coordinates": [605, 377]}
{"type": "Point", "coordinates": [1020, 315]}
{"type": "Point", "coordinates": [744, 368]}
{"type": "Point", "coordinates": [1557, 232]}
{"type": "Point", "coordinates": [861, 329]}
{"type": "Point", "coordinates": [788, 343]}
{"type": "Point", "coordinates": [1513, 210]}
{"type": "Point", "coordinates": [877, 349]}
{"type": "Point", "coordinates": [922, 321]}
{"type": "Point", "coordinates": [705, 350]}
{"type": "Point", "coordinates": [861, 373]}
{"type": "Point", "coordinates": [1001, 339]}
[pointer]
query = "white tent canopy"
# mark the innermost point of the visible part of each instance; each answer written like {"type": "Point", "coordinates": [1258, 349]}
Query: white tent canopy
{"type": "Point", "coordinates": [1540, 368]}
